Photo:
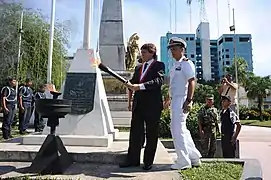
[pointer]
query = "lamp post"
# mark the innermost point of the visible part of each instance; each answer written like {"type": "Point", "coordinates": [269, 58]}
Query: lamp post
{"type": "Point", "coordinates": [51, 42]}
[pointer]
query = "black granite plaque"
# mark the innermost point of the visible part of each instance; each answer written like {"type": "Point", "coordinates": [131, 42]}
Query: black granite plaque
{"type": "Point", "coordinates": [80, 88]}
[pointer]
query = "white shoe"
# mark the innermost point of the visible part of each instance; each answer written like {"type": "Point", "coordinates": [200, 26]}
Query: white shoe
{"type": "Point", "coordinates": [179, 167]}
{"type": "Point", "coordinates": [196, 163]}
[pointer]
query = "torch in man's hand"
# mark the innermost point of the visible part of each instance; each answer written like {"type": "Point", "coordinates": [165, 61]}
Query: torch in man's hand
{"type": "Point", "coordinates": [106, 69]}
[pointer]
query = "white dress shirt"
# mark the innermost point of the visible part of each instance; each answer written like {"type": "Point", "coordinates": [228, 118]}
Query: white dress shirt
{"type": "Point", "coordinates": [141, 86]}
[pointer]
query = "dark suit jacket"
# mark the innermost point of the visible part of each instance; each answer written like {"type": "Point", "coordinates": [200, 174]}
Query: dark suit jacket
{"type": "Point", "coordinates": [149, 99]}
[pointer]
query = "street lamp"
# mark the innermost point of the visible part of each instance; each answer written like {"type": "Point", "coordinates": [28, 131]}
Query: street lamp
{"type": "Point", "coordinates": [232, 28]}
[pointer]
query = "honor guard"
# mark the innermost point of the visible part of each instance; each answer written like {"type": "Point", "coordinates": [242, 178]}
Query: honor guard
{"type": "Point", "coordinates": [182, 85]}
{"type": "Point", "coordinates": [9, 100]}
{"type": "Point", "coordinates": [25, 105]}
{"type": "Point", "coordinates": [38, 122]}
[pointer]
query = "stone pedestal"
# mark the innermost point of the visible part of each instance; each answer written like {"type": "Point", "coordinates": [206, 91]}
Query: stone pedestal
{"type": "Point", "coordinates": [90, 122]}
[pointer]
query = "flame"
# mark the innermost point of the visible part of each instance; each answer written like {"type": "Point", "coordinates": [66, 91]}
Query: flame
{"type": "Point", "coordinates": [95, 62]}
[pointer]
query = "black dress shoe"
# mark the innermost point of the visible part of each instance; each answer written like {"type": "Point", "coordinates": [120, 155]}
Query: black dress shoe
{"type": "Point", "coordinates": [128, 164]}
{"type": "Point", "coordinates": [147, 167]}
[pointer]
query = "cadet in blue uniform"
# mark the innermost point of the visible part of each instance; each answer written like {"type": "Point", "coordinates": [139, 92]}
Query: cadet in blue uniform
{"type": "Point", "coordinates": [25, 106]}
{"type": "Point", "coordinates": [38, 122]}
{"type": "Point", "coordinates": [9, 101]}
{"type": "Point", "coordinates": [228, 121]}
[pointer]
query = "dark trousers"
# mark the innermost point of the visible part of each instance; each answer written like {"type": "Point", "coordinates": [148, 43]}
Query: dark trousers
{"type": "Point", "coordinates": [228, 149]}
{"type": "Point", "coordinates": [137, 136]}
{"type": "Point", "coordinates": [24, 117]}
{"type": "Point", "coordinates": [7, 121]}
{"type": "Point", "coordinates": [38, 122]}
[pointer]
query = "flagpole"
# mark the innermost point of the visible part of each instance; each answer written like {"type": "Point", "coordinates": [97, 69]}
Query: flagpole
{"type": "Point", "coordinates": [236, 63]}
{"type": "Point", "coordinates": [51, 42]}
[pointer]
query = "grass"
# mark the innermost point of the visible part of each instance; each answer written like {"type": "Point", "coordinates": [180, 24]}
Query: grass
{"type": "Point", "coordinates": [214, 171]}
{"type": "Point", "coordinates": [256, 123]}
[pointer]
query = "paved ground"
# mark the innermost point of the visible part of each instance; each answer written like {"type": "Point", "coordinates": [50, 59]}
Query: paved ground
{"type": "Point", "coordinates": [255, 142]}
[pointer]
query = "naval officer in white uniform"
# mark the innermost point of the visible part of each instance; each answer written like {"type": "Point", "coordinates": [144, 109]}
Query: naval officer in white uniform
{"type": "Point", "coordinates": [182, 86]}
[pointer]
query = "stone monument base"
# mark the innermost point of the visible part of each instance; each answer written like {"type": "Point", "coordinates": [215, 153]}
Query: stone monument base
{"type": "Point", "coordinates": [112, 85]}
{"type": "Point", "coordinates": [74, 140]}
{"type": "Point", "coordinates": [115, 154]}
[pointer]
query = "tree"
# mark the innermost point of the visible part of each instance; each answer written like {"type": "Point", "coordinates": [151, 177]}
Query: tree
{"type": "Point", "coordinates": [242, 71]}
{"type": "Point", "coordinates": [258, 88]}
{"type": "Point", "coordinates": [202, 90]}
{"type": "Point", "coordinates": [34, 48]}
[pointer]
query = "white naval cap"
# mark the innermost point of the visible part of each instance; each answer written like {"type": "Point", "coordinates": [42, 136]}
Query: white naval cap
{"type": "Point", "coordinates": [176, 41]}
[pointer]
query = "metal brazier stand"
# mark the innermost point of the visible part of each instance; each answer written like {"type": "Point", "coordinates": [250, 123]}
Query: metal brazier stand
{"type": "Point", "coordinates": [52, 157]}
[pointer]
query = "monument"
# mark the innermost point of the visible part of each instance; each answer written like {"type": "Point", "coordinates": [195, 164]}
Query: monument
{"type": "Point", "coordinates": [111, 43]}
{"type": "Point", "coordinates": [89, 123]}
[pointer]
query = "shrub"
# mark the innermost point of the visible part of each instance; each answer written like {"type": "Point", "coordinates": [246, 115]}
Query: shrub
{"type": "Point", "coordinates": [192, 122]}
{"type": "Point", "coordinates": [243, 112]}
{"type": "Point", "coordinates": [266, 115]}
{"type": "Point", "coordinates": [253, 114]}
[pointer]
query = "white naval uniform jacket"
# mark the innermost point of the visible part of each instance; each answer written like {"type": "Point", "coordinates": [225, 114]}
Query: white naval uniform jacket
{"type": "Point", "coordinates": [180, 73]}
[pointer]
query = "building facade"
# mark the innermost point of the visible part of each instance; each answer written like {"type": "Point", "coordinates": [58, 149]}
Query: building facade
{"type": "Point", "coordinates": [210, 56]}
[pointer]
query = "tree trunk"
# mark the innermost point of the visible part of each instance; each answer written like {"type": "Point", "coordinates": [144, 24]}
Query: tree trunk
{"type": "Point", "coordinates": [260, 105]}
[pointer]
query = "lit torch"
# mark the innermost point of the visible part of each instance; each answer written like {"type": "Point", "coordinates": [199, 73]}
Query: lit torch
{"type": "Point", "coordinates": [96, 62]}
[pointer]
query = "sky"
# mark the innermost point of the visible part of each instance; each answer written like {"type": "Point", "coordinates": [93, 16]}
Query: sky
{"type": "Point", "coordinates": [151, 20]}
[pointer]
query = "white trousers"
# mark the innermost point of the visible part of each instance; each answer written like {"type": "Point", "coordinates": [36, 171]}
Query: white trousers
{"type": "Point", "coordinates": [184, 145]}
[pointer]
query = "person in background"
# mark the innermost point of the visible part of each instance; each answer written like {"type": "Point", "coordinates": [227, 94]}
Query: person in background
{"type": "Point", "coordinates": [38, 122]}
{"type": "Point", "coordinates": [229, 120]}
{"type": "Point", "coordinates": [208, 127]}
{"type": "Point", "coordinates": [9, 100]}
{"type": "Point", "coordinates": [229, 88]}
{"type": "Point", "coordinates": [25, 105]}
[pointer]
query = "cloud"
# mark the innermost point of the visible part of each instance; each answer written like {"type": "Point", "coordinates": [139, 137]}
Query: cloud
{"type": "Point", "coordinates": [152, 23]}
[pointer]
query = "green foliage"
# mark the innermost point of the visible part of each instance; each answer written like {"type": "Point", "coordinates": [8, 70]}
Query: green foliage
{"type": "Point", "coordinates": [214, 170]}
{"type": "Point", "coordinates": [202, 90]}
{"type": "Point", "coordinates": [34, 47]}
{"type": "Point", "coordinates": [192, 122]}
{"type": "Point", "coordinates": [242, 73]}
{"type": "Point", "coordinates": [253, 113]}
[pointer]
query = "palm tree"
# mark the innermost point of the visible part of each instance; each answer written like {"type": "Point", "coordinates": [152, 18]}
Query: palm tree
{"type": "Point", "coordinates": [242, 71]}
{"type": "Point", "coordinates": [258, 88]}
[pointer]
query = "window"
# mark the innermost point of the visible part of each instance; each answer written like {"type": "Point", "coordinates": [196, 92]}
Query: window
{"type": "Point", "coordinates": [192, 55]}
{"type": "Point", "coordinates": [220, 42]}
{"type": "Point", "coordinates": [227, 56]}
{"type": "Point", "coordinates": [222, 56]}
{"type": "Point", "coordinates": [244, 39]}
{"type": "Point", "coordinates": [213, 44]}
{"type": "Point", "coordinates": [227, 62]}
{"type": "Point", "coordinates": [191, 39]}
{"type": "Point", "coordinates": [228, 39]}
{"type": "Point", "coordinates": [227, 50]}
{"type": "Point", "coordinates": [186, 38]}
{"type": "Point", "coordinates": [222, 50]}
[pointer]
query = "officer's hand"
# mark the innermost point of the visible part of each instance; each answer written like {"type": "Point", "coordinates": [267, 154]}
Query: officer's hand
{"type": "Point", "coordinates": [233, 140]}
{"type": "Point", "coordinates": [201, 133]}
{"type": "Point", "coordinates": [187, 106]}
{"type": "Point", "coordinates": [166, 104]}
{"type": "Point", "coordinates": [6, 110]}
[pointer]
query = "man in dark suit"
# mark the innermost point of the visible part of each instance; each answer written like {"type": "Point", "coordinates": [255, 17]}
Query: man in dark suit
{"type": "Point", "coordinates": [147, 106]}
